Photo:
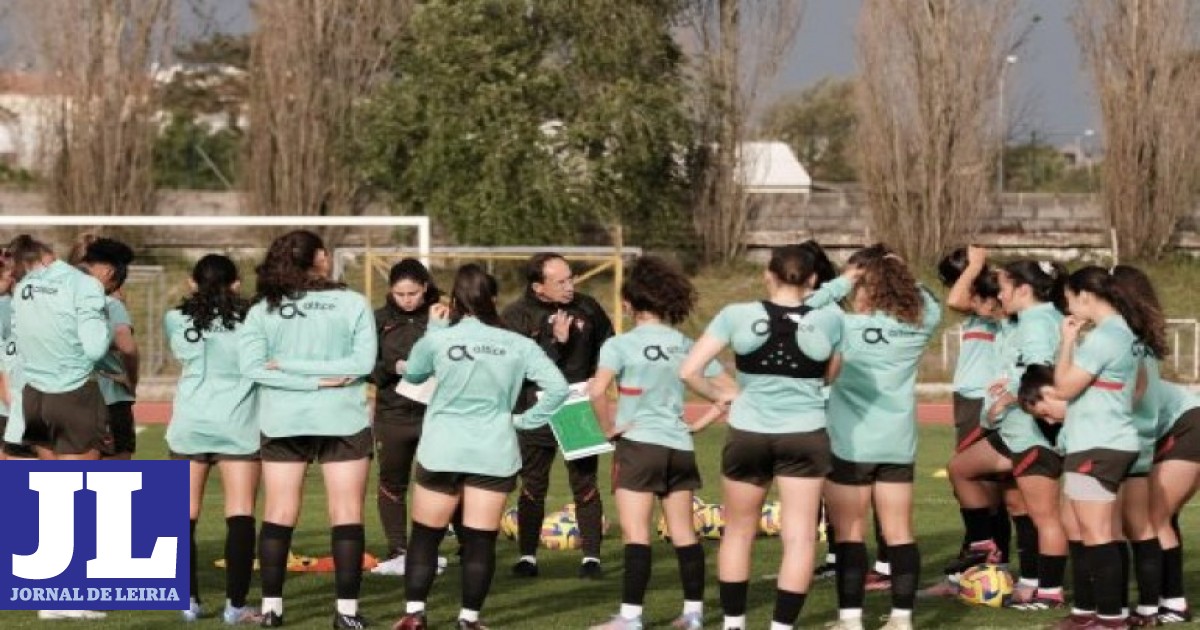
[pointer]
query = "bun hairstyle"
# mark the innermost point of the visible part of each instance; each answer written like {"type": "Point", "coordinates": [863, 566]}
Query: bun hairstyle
{"type": "Point", "coordinates": [793, 265]}
{"type": "Point", "coordinates": [474, 295]}
{"type": "Point", "coordinates": [1047, 280]}
{"type": "Point", "coordinates": [107, 251]}
{"type": "Point", "coordinates": [888, 285]}
{"type": "Point", "coordinates": [215, 299]}
{"type": "Point", "coordinates": [286, 270]}
{"type": "Point", "coordinates": [655, 286]}
{"type": "Point", "coordinates": [412, 269]}
{"type": "Point", "coordinates": [951, 267]}
{"type": "Point", "coordinates": [1129, 291]}
{"type": "Point", "coordinates": [823, 267]}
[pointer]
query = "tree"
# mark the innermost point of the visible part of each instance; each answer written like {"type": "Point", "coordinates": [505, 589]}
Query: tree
{"type": "Point", "coordinates": [311, 63]}
{"type": "Point", "coordinates": [515, 122]}
{"type": "Point", "coordinates": [740, 45]}
{"type": "Point", "coordinates": [818, 123]}
{"type": "Point", "coordinates": [1144, 67]}
{"type": "Point", "coordinates": [926, 133]}
{"type": "Point", "coordinates": [98, 139]}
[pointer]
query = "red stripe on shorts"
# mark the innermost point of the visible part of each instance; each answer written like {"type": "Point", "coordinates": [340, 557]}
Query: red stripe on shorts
{"type": "Point", "coordinates": [1026, 462]}
{"type": "Point", "coordinates": [970, 440]}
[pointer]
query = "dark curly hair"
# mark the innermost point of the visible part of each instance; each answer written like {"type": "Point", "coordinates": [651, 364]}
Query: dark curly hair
{"type": "Point", "coordinates": [108, 251]}
{"type": "Point", "coordinates": [1129, 291]}
{"type": "Point", "coordinates": [888, 285]}
{"type": "Point", "coordinates": [655, 286]}
{"type": "Point", "coordinates": [286, 272]}
{"type": "Point", "coordinates": [215, 299]}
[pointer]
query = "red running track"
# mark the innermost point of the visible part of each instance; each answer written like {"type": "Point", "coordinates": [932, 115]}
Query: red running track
{"type": "Point", "coordinates": [159, 412]}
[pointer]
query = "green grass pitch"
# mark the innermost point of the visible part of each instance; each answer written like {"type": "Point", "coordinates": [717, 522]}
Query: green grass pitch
{"type": "Point", "coordinates": [558, 599]}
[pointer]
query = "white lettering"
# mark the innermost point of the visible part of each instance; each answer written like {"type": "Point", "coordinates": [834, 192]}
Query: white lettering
{"type": "Point", "coordinates": [56, 526]}
{"type": "Point", "coordinates": [114, 532]}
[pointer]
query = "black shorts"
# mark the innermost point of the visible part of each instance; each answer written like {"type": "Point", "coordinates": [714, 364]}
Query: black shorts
{"type": "Point", "coordinates": [15, 450]}
{"type": "Point", "coordinates": [1106, 465]}
{"type": "Point", "coordinates": [322, 449]}
{"type": "Point", "coordinates": [643, 467]}
{"type": "Point", "coordinates": [215, 458]}
{"type": "Point", "coordinates": [67, 423]}
{"type": "Point", "coordinates": [848, 473]}
{"type": "Point", "coordinates": [967, 412]}
{"type": "Point", "coordinates": [122, 435]}
{"type": "Point", "coordinates": [1182, 441]}
{"type": "Point", "coordinates": [453, 482]}
{"type": "Point", "coordinates": [757, 458]}
{"type": "Point", "coordinates": [1038, 461]}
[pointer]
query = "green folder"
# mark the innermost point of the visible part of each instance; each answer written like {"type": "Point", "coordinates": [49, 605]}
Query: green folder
{"type": "Point", "coordinates": [576, 428]}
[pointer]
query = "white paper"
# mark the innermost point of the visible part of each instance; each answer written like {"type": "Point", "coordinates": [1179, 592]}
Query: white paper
{"type": "Point", "coordinates": [421, 393]}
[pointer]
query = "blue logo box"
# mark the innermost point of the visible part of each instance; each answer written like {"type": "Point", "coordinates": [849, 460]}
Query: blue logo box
{"type": "Point", "coordinates": [94, 535]}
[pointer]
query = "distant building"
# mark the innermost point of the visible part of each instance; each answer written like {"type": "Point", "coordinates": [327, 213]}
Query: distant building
{"type": "Point", "coordinates": [771, 168]}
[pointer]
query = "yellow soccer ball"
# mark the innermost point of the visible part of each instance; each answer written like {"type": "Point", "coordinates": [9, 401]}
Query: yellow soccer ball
{"type": "Point", "coordinates": [985, 585]}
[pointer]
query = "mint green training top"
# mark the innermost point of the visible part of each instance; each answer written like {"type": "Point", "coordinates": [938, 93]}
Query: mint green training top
{"type": "Point", "coordinates": [469, 425]}
{"type": "Point", "coordinates": [61, 326]}
{"type": "Point", "coordinates": [110, 363]}
{"type": "Point", "coordinates": [323, 334]}
{"type": "Point", "coordinates": [1034, 342]}
{"type": "Point", "coordinates": [646, 362]}
{"type": "Point", "coordinates": [215, 408]}
{"type": "Point", "coordinates": [1102, 415]}
{"type": "Point", "coordinates": [1146, 412]}
{"type": "Point", "coordinates": [1174, 401]}
{"type": "Point", "coordinates": [873, 402]}
{"type": "Point", "coordinates": [977, 357]}
{"type": "Point", "coordinates": [778, 404]}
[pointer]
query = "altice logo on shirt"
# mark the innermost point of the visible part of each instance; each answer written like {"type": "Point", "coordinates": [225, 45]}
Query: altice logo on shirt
{"type": "Point", "coordinates": [94, 535]}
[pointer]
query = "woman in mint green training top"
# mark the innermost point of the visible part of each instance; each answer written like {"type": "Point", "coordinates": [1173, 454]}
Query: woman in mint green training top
{"type": "Point", "coordinates": [782, 347]}
{"type": "Point", "coordinates": [213, 421]}
{"type": "Point", "coordinates": [1098, 376]}
{"type": "Point", "coordinates": [468, 452]}
{"type": "Point", "coordinates": [655, 457]}
{"type": "Point", "coordinates": [309, 343]}
{"type": "Point", "coordinates": [872, 428]}
{"type": "Point", "coordinates": [1023, 446]}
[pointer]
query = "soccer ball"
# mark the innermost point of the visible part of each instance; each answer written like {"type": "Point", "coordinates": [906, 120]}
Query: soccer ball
{"type": "Point", "coordinates": [568, 512]}
{"type": "Point", "coordinates": [508, 523]}
{"type": "Point", "coordinates": [560, 531]}
{"type": "Point", "coordinates": [770, 522]}
{"type": "Point", "coordinates": [985, 585]}
{"type": "Point", "coordinates": [711, 520]}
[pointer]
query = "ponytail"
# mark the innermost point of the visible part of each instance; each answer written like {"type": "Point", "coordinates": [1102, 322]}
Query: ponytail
{"type": "Point", "coordinates": [1046, 278]}
{"type": "Point", "coordinates": [215, 299]}
{"type": "Point", "coordinates": [1129, 291]}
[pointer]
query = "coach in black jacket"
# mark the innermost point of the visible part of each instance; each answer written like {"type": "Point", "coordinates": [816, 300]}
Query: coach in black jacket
{"type": "Point", "coordinates": [570, 327]}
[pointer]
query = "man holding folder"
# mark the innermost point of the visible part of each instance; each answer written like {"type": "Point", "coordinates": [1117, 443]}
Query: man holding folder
{"type": "Point", "coordinates": [570, 327]}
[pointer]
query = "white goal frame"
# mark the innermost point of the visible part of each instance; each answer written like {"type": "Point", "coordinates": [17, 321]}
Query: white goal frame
{"type": "Point", "coordinates": [421, 223]}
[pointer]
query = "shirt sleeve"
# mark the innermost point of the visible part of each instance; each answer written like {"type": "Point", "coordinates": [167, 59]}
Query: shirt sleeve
{"type": "Point", "coordinates": [252, 358]}
{"type": "Point", "coordinates": [419, 367]}
{"type": "Point", "coordinates": [610, 356]}
{"type": "Point", "coordinates": [541, 370]}
{"type": "Point", "coordinates": [91, 319]}
{"type": "Point", "coordinates": [1094, 353]}
{"type": "Point", "coordinates": [721, 327]}
{"type": "Point", "coordinates": [118, 314]}
{"type": "Point", "coordinates": [819, 333]}
{"type": "Point", "coordinates": [932, 310]}
{"type": "Point", "coordinates": [183, 350]}
{"type": "Point", "coordinates": [364, 347]}
{"type": "Point", "coordinates": [831, 292]}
